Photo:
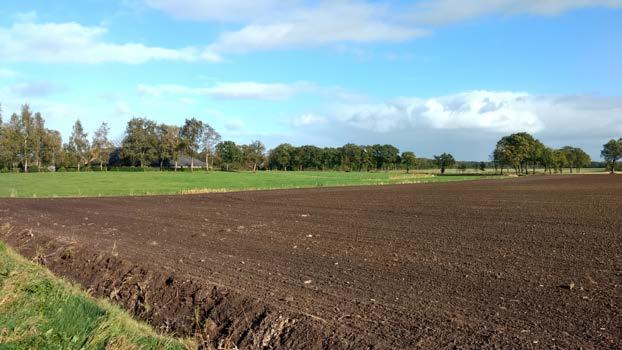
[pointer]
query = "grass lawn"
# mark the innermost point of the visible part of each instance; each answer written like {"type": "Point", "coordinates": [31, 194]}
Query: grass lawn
{"type": "Point", "coordinates": [149, 183]}
{"type": "Point", "coordinates": [41, 311]}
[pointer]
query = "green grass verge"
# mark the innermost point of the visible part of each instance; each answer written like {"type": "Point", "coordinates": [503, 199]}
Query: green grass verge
{"type": "Point", "coordinates": [150, 183]}
{"type": "Point", "coordinates": [41, 311]}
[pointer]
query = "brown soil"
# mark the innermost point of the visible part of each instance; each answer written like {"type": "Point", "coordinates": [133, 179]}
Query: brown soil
{"type": "Point", "coordinates": [523, 263]}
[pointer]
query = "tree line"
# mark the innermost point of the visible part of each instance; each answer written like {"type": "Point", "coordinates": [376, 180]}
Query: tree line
{"type": "Point", "coordinates": [26, 145]}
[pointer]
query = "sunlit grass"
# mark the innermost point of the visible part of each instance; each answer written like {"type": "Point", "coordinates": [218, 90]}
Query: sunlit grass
{"type": "Point", "coordinates": [41, 311]}
{"type": "Point", "coordinates": [153, 183]}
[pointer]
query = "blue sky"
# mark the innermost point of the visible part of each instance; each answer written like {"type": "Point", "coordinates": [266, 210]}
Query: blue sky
{"type": "Point", "coordinates": [430, 76]}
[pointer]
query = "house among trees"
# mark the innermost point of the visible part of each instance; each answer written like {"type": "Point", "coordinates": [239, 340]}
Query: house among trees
{"type": "Point", "coordinates": [186, 162]}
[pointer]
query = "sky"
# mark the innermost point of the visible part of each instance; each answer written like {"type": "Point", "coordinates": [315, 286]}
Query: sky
{"type": "Point", "coordinates": [429, 76]}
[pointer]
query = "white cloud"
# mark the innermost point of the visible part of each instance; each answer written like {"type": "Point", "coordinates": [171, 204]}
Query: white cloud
{"type": "Point", "coordinates": [270, 24]}
{"type": "Point", "coordinates": [487, 111]}
{"type": "Point", "coordinates": [74, 43]}
{"type": "Point", "coordinates": [273, 24]}
{"type": "Point", "coordinates": [445, 11]}
{"type": "Point", "coordinates": [308, 119]}
{"type": "Point", "coordinates": [329, 22]}
{"type": "Point", "coordinates": [234, 125]}
{"type": "Point", "coordinates": [229, 91]}
{"type": "Point", "coordinates": [219, 10]}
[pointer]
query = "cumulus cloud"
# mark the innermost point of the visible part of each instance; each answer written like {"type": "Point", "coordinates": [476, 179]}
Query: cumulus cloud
{"type": "Point", "coordinates": [229, 90]}
{"type": "Point", "coordinates": [234, 125]}
{"type": "Point", "coordinates": [445, 11]}
{"type": "Point", "coordinates": [308, 119]}
{"type": "Point", "coordinates": [488, 111]}
{"type": "Point", "coordinates": [74, 43]}
{"type": "Point", "coordinates": [271, 24]}
{"type": "Point", "coordinates": [467, 124]}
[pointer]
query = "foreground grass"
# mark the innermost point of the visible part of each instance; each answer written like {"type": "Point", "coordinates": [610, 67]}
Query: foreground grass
{"type": "Point", "coordinates": [40, 311]}
{"type": "Point", "coordinates": [151, 183]}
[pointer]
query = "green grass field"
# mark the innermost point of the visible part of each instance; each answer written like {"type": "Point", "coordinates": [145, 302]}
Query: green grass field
{"type": "Point", "coordinates": [88, 184]}
{"type": "Point", "coordinates": [41, 311]}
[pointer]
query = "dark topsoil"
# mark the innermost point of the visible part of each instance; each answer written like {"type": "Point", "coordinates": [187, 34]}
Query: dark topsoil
{"type": "Point", "coordinates": [523, 263]}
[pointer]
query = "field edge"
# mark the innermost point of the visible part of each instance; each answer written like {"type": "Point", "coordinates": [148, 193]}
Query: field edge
{"type": "Point", "coordinates": [41, 310]}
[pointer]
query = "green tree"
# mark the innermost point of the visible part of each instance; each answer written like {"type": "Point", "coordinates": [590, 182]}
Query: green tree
{"type": "Point", "coordinates": [516, 150]}
{"type": "Point", "coordinates": [79, 145]}
{"type": "Point", "coordinates": [280, 157]}
{"type": "Point", "coordinates": [611, 152]}
{"type": "Point", "coordinates": [253, 154]}
{"type": "Point", "coordinates": [547, 159]}
{"type": "Point", "coordinates": [229, 153]}
{"type": "Point", "coordinates": [409, 160]}
{"type": "Point", "coordinates": [482, 166]}
{"type": "Point", "coordinates": [559, 160]}
{"type": "Point", "coordinates": [140, 141]}
{"type": "Point", "coordinates": [210, 138]}
{"type": "Point", "coordinates": [168, 144]}
{"type": "Point", "coordinates": [444, 161]}
{"type": "Point", "coordinates": [191, 134]}
{"type": "Point", "coordinates": [52, 144]}
{"type": "Point", "coordinates": [101, 147]}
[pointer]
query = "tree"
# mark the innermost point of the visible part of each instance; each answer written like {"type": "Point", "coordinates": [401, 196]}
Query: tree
{"type": "Point", "coordinates": [140, 141]}
{"type": "Point", "coordinates": [482, 166]}
{"type": "Point", "coordinates": [515, 150]}
{"type": "Point", "coordinates": [444, 161]}
{"type": "Point", "coordinates": [228, 152]}
{"type": "Point", "coordinates": [409, 160]}
{"type": "Point", "coordinates": [168, 144]}
{"type": "Point", "coordinates": [281, 155]}
{"type": "Point", "coordinates": [547, 159]}
{"type": "Point", "coordinates": [191, 134]}
{"type": "Point", "coordinates": [52, 145]}
{"type": "Point", "coordinates": [101, 147]}
{"type": "Point", "coordinates": [253, 154]}
{"type": "Point", "coordinates": [580, 158]}
{"type": "Point", "coordinates": [534, 152]}
{"type": "Point", "coordinates": [24, 136]}
{"type": "Point", "coordinates": [612, 151]}
{"type": "Point", "coordinates": [210, 138]}
{"type": "Point", "coordinates": [79, 144]}
{"type": "Point", "coordinates": [462, 167]}
{"type": "Point", "coordinates": [559, 160]}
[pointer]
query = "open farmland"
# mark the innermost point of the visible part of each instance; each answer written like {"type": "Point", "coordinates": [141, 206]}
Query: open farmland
{"type": "Point", "coordinates": [523, 262]}
{"type": "Point", "coordinates": [114, 183]}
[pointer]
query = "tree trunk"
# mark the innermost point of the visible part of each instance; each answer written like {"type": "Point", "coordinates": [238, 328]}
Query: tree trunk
{"type": "Point", "coordinates": [191, 163]}
{"type": "Point", "coordinates": [175, 165]}
{"type": "Point", "coordinates": [25, 165]}
{"type": "Point", "coordinates": [101, 166]}
{"type": "Point", "coordinates": [254, 167]}
{"type": "Point", "coordinates": [78, 166]}
{"type": "Point", "coordinates": [206, 161]}
{"type": "Point", "coordinates": [161, 164]}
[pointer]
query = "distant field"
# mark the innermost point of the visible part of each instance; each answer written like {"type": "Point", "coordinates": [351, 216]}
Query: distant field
{"type": "Point", "coordinates": [88, 184]}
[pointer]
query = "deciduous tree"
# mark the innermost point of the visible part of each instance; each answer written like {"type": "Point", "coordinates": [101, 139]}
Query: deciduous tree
{"type": "Point", "coordinates": [612, 151]}
{"type": "Point", "coordinates": [444, 161]}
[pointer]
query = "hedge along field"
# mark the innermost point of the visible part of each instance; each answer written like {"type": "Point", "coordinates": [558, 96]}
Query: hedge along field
{"type": "Point", "coordinates": [90, 184]}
